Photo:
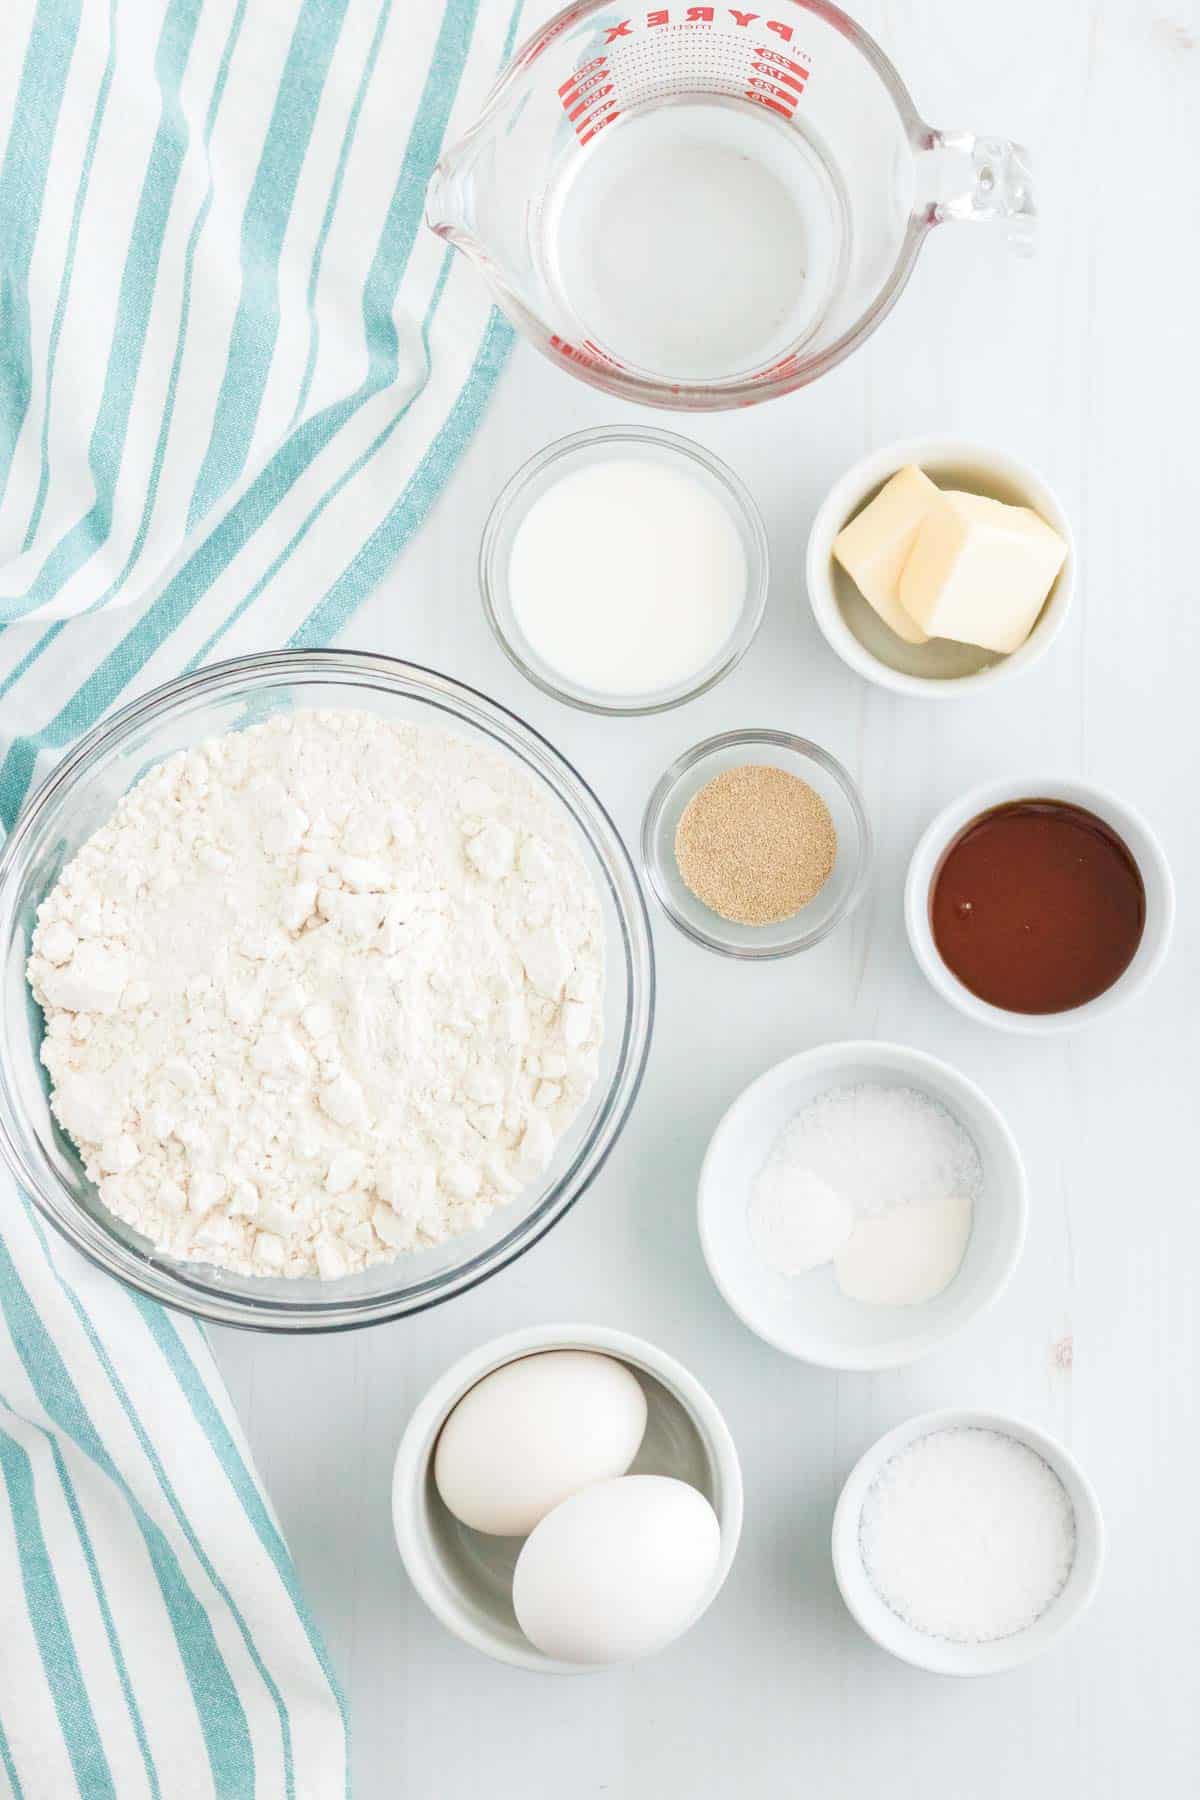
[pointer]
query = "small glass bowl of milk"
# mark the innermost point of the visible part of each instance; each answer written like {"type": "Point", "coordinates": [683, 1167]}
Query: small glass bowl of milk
{"type": "Point", "coordinates": [624, 570]}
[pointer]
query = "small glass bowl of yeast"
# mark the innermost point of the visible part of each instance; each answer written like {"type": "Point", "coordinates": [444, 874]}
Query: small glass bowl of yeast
{"type": "Point", "coordinates": [837, 896]}
{"type": "Point", "coordinates": [624, 570]}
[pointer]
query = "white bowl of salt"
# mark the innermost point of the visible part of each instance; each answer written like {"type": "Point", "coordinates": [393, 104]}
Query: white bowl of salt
{"type": "Point", "coordinates": [860, 1203]}
{"type": "Point", "coordinates": [965, 1543]}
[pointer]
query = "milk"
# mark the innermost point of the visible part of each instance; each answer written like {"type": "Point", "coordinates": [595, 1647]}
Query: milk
{"type": "Point", "coordinates": [627, 577]}
{"type": "Point", "coordinates": [695, 240]}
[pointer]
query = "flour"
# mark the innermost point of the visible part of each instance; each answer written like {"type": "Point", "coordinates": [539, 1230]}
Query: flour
{"type": "Point", "coordinates": [797, 1221]}
{"type": "Point", "coordinates": [320, 993]}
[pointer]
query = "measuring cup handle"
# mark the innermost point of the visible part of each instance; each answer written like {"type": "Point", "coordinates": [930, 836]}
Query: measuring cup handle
{"type": "Point", "coordinates": [980, 178]}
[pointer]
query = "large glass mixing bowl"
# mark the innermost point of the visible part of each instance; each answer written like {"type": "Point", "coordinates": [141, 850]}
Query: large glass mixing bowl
{"type": "Point", "coordinates": [78, 798]}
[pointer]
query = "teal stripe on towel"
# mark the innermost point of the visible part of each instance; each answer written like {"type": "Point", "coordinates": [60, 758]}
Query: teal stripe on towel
{"type": "Point", "coordinates": [51, 1628]}
{"type": "Point", "coordinates": [268, 209]}
{"type": "Point", "coordinates": [22, 189]}
{"type": "Point", "coordinates": [31, 655]}
{"type": "Point", "coordinates": [107, 446]}
{"type": "Point", "coordinates": [172, 1499]}
{"type": "Point", "coordinates": [168, 1491]}
{"type": "Point", "coordinates": [489, 363]}
{"type": "Point", "coordinates": [164, 430]}
{"type": "Point", "coordinates": [190, 583]}
{"type": "Point", "coordinates": [510, 36]}
{"type": "Point", "coordinates": [335, 194]}
{"type": "Point", "coordinates": [218, 1706]}
{"type": "Point", "coordinates": [185, 309]}
{"type": "Point", "coordinates": [331, 493]}
{"type": "Point", "coordinates": [98, 1588]}
{"type": "Point", "coordinates": [420, 491]}
{"type": "Point", "coordinates": [205, 1411]}
{"type": "Point", "coordinates": [110, 1628]}
{"type": "Point", "coordinates": [10, 1767]}
{"type": "Point", "coordinates": [64, 286]}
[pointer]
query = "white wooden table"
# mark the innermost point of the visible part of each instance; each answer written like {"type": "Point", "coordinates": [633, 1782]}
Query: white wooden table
{"type": "Point", "coordinates": [1085, 361]}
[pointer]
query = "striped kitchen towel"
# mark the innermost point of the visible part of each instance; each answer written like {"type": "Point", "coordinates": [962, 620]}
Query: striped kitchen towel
{"type": "Point", "coordinates": [153, 1639]}
{"type": "Point", "coordinates": [235, 373]}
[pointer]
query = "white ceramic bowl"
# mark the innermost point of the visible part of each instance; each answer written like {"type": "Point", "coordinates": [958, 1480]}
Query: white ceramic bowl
{"type": "Point", "coordinates": [807, 1315]}
{"type": "Point", "coordinates": [939, 1655]}
{"type": "Point", "coordinates": [465, 1577]}
{"type": "Point", "coordinates": [1129, 826]}
{"type": "Point", "coordinates": [939, 670]}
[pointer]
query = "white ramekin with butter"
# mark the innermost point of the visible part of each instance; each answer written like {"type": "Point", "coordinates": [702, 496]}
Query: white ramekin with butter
{"type": "Point", "coordinates": [938, 567]}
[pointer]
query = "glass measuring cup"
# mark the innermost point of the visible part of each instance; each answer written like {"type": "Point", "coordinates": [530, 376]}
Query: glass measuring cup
{"type": "Point", "coordinates": [700, 206]}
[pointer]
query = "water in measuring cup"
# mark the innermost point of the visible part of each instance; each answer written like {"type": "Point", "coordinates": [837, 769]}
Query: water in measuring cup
{"type": "Point", "coordinates": [695, 239]}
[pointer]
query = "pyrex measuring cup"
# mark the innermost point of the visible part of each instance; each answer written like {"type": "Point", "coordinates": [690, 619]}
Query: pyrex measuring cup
{"type": "Point", "coordinates": [702, 206]}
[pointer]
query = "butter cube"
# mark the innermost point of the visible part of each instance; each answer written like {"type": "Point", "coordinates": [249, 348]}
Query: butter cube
{"type": "Point", "coordinates": [874, 546]}
{"type": "Point", "coordinates": [979, 571]}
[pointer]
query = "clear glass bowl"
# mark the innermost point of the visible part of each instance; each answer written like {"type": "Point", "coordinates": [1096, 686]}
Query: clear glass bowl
{"type": "Point", "coordinates": [600, 445]}
{"type": "Point", "coordinates": [80, 795]}
{"type": "Point", "coordinates": [779, 749]}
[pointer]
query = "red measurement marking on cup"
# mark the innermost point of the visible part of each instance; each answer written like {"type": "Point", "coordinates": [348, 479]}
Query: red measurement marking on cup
{"type": "Point", "coordinates": [659, 16]}
{"type": "Point", "coordinates": [767, 91]}
{"type": "Point", "coordinates": [783, 62]}
{"type": "Point", "coordinates": [585, 76]}
{"type": "Point", "coordinates": [590, 355]}
{"type": "Point", "coordinates": [775, 81]}
{"type": "Point", "coordinates": [785, 366]}
{"type": "Point", "coordinates": [596, 124]}
{"type": "Point", "coordinates": [585, 107]}
{"type": "Point", "coordinates": [602, 355]}
{"type": "Point", "coordinates": [775, 106]}
{"type": "Point", "coordinates": [553, 30]}
{"type": "Point", "coordinates": [774, 72]}
{"type": "Point", "coordinates": [591, 95]}
{"type": "Point", "coordinates": [587, 98]}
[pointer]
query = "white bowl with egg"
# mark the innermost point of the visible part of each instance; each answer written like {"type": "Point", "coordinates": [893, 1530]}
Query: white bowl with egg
{"type": "Point", "coordinates": [808, 1316]}
{"type": "Point", "coordinates": [939, 669]}
{"type": "Point", "coordinates": [624, 569]}
{"type": "Point", "coordinates": [465, 1576]}
{"type": "Point", "coordinates": [939, 1654]}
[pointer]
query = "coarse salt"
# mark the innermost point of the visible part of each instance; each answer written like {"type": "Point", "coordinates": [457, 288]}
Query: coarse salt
{"type": "Point", "coordinates": [968, 1534]}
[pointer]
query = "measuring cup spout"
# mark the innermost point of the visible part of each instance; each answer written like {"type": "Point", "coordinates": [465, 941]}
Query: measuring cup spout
{"type": "Point", "coordinates": [447, 207]}
{"type": "Point", "coordinates": [979, 178]}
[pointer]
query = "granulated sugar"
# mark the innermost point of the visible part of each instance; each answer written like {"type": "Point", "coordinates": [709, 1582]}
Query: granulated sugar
{"type": "Point", "coordinates": [968, 1535]}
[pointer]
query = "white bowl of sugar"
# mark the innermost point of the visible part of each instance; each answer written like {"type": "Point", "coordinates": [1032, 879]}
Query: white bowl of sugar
{"type": "Point", "coordinates": [965, 1543]}
{"type": "Point", "coordinates": [861, 1203]}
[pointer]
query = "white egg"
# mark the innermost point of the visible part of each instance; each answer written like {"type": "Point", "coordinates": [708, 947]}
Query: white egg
{"type": "Point", "coordinates": [618, 1570]}
{"type": "Point", "coordinates": [533, 1432]}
